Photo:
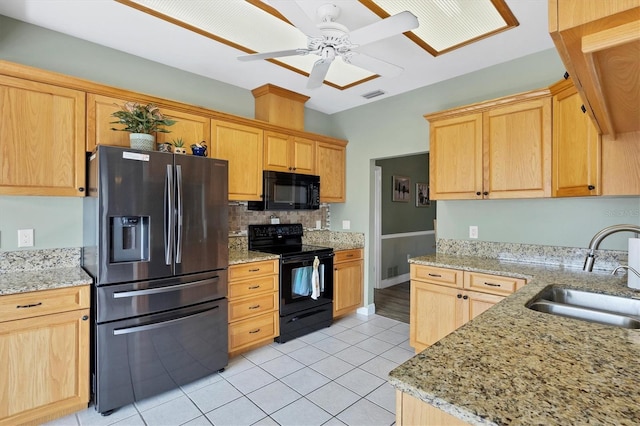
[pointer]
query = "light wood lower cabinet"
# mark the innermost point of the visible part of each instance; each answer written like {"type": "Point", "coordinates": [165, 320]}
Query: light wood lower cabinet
{"type": "Point", "coordinates": [253, 305]}
{"type": "Point", "coordinates": [411, 411]}
{"type": "Point", "coordinates": [442, 300]}
{"type": "Point", "coordinates": [44, 355]}
{"type": "Point", "coordinates": [347, 281]}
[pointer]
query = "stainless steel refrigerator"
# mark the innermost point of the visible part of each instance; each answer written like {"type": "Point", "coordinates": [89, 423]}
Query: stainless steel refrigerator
{"type": "Point", "coordinates": [156, 244]}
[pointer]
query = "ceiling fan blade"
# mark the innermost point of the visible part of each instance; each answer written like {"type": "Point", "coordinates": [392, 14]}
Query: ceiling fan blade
{"type": "Point", "coordinates": [276, 54]}
{"type": "Point", "coordinates": [318, 73]}
{"type": "Point", "coordinates": [294, 14]}
{"type": "Point", "coordinates": [393, 25]}
{"type": "Point", "coordinates": [372, 64]}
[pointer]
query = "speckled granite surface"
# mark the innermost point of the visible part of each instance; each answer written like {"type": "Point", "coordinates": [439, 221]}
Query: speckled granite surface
{"type": "Point", "coordinates": [28, 260]}
{"type": "Point", "coordinates": [245, 256]}
{"type": "Point", "coordinates": [515, 366]}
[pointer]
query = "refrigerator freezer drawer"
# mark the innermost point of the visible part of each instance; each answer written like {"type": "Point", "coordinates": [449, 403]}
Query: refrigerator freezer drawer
{"type": "Point", "coordinates": [145, 356]}
{"type": "Point", "coordinates": [114, 302]}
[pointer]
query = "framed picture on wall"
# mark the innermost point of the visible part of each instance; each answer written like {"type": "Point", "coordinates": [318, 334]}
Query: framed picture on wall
{"type": "Point", "coordinates": [422, 195]}
{"type": "Point", "coordinates": [401, 189]}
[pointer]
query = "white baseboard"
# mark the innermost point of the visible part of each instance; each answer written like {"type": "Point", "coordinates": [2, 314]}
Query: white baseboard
{"type": "Point", "coordinates": [367, 310]}
{"type": "Point", "coordinates": [394, 280]}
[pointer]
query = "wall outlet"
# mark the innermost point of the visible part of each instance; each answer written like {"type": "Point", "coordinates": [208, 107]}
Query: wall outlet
{"type": "Point", "coordinates": [346, 224]}
{"type": "Point", "coordinates": [318, 224]}
{"type": "Point", "coordinates": [25, 237]}
{"type": "Point", "coordinates": [473, 231]}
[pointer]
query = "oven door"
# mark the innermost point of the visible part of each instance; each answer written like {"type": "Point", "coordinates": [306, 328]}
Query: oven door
{"type": "Point", "coordinates": [297, 275]}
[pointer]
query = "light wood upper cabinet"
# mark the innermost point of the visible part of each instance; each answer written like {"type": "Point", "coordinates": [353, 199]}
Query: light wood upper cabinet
{"type": "Point", "coordinates": [191, 128]}
{"type": "Point", "coordinates": [286, 153]}
{"type": "Point", "coordinates": [455, 156]}
{"type": "Point", "coordinates": [331, 167]}
{"type": "Point", "coordinates": [44, 355]}
{"type": "Point", "coordinates": [497, 149]}
{"type": "Point", "coordinates": [576, 145]}
{"type": "Point", "coordinates": [42, 137]}
{"type": "Point", "coordinates": [599, 44]}
{"type": "Point", "coordinates": [242, 146]}
{"type": "Point", "coordinates": [517, 150]}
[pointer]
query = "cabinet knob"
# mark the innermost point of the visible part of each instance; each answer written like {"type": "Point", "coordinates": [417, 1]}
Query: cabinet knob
{"type": "Point", "coordinates": [465, 297]}
{"type": "Point", "coordinates": [584, 110]}
{"type": "Point", "coordinates": [566, 75]}
{"type": "Point", "coordinates": [459, 296]}
{"type": "Point", "coordinates": [85, 317]}
{"type": "Point", "coordinates": [485, 193]}
{"type": "Point", "coordinates": [81, 189]}
{"type": "Point", "coordinates": [478, 193]}
{"type": "Point", "coordinates": [591, 187]}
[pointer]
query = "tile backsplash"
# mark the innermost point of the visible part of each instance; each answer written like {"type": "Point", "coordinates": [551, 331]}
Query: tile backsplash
{"type": "Point", "coordinates": [240, 218]}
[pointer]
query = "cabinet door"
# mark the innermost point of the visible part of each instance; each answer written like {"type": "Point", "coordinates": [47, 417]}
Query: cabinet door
{"type": "Point", "coordinates": [455, 154]}
{"type": "Point", "coordinates": [191, 128]}
{"type": "Point", "coordinates": [44, 365]}
{"type": "Point", "coordinates": [347, 287]}
{"type": "Point", "coordinates": [99, 110]}
{"type": "Point", "coordinates": [42, 136]}
{"type": "Point", "coordinates": [434, 312]}
{"type": "Point", "coordinates": [276, 152]}
{"type": "Point", "coordinates": [476, 303]}
{"type": "Point", "coordinates": [517, 150]}
{"type": "Point", "coordinates": [303, 155]}
{"type": "Point", "coordinates": [331, 167]}
{"type": "Point", "coordinates": [576, 148]}
{"type": "Point", "coordinates": [242, 146]}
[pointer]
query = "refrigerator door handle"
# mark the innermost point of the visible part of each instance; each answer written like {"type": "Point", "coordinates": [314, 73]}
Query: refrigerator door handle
{"type": "Point", "coordinates": [179, 213]}
{"type": "Point", "coordinates": [168, 215]}
{"type": "Point", "coordinates": [141, 328]}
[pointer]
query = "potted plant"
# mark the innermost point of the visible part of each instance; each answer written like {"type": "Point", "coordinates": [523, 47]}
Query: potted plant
{"type": "Point", "coordinates": [142, 122]}
{"type": "Point", "coordinates": [199, 149]}
{"type": "Point", "coordinates": [178, 146]}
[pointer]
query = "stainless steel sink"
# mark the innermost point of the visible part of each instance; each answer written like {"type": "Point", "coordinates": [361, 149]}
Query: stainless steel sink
{"type": "Point", "coordinates": [599, 308]}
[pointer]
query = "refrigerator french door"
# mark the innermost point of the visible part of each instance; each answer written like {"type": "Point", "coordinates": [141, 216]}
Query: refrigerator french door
{"type": "Point", "coordinates": [156, 243]}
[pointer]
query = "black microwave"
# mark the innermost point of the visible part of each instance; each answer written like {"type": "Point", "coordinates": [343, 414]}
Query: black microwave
{"type": "Point", "coordinates": [288, 191]}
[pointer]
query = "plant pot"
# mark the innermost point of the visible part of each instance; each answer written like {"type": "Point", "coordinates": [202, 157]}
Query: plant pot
{"type": "Point", "coordinates": [199, 151]}
{"type": "Point", "coordinates": [177, 150]}
{"type": "Point", "coordinates": [164, 147]}
{"type": "Point", "coordinates": [142, 141]}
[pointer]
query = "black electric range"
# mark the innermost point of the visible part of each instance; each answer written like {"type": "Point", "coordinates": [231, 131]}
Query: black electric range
{"type": "Point", "coordinates": [306, 278]}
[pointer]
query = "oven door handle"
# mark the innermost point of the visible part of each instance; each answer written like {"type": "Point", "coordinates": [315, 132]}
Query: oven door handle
{"type": "Point", "coordinates": [148, 291]}
{"type": "Point", "coordinates": [141, 328]}
{"type": "Point", "coordinates": [306, 259]}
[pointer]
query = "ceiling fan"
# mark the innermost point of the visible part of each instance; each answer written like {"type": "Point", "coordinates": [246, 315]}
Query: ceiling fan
{"type": "Point", "coordinates": [330, 39]}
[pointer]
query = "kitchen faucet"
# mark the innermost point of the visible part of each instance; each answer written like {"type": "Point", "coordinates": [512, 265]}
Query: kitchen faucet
{"type": "Point", "coordinates": [601, 235]}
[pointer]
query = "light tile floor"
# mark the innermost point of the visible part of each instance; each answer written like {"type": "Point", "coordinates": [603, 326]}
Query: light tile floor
{"type": "Point", "coordinates": [335, 376]}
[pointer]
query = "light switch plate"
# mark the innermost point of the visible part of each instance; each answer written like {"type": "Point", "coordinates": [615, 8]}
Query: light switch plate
{"type": "Point", "coordinates": [473, 231]}
{"type": "Point", "coordinates": [346, 224]}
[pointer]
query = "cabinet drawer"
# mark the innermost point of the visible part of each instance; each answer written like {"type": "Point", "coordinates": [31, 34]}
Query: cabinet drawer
{"type": "Point", "coordinates": [252, 306]}
{"type": "Point", "coordinates": [493, 284]}
{"type": "Point", "coordinates": [347, 255]}
{"type": "Point", "coordinates": [253, 269]}
{"type": "Point", "coordinates": [252, 330]}
{"type": "Point", "coordinates": [253, 286]}
{"type": "Point", "coordinates": [443, 276]}
{"type": "Point", "coordinates": [36, 303]}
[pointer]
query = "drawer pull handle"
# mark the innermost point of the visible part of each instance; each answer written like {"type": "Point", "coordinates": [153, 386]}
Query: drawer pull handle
{"type": "Point", "coordinates": [491, 284]}
{"type": "Point", "coordinates": [28, 306]}
{"type": "Point", "coordinates": [254, 270]}
{"type": "Point", "coordinates": [254, 307]}
{"type": "Point", "coordinates": [350, 255]}
{"type": "Point", "coordinates": [253, 287]}
{"type": "Point", "coordinates": [254, 331]}
{"type": "Point", "coordinates": [435, 275]}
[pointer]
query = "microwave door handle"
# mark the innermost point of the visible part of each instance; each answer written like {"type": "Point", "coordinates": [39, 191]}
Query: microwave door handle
{"type": "Point", "coordinates": [179, 195]}
{"type": "Point", "coordinates": [168, 215]}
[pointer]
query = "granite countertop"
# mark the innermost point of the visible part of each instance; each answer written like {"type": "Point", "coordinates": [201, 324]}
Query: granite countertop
{"type": "Point", "coordinates": [42, 279]}
{"type": "Point", "coordinates": [245, 256]}
{"type": "Point", "coordinates": [512, 365]}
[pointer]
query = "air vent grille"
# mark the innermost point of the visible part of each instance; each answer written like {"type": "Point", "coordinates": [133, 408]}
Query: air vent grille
{"type": "Point", "coordinates": [373, 94]}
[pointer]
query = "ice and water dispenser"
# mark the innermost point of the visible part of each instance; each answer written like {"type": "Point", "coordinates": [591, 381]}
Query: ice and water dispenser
{"type": "Point", "coordinates": [129, 239]}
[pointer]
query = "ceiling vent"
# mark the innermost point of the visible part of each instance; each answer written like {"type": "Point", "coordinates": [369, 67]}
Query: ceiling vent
{"type": "Point", "coordinates": [373, 94]}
